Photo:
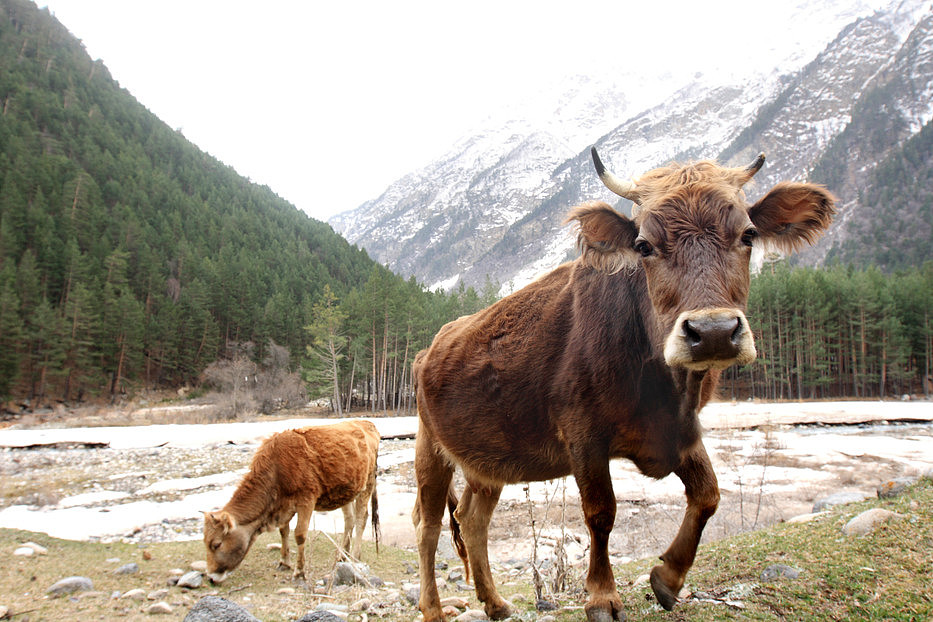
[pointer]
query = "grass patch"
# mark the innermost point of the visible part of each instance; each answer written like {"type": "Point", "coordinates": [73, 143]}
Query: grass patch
{"type": "Point", "coordinates": [882, 576]}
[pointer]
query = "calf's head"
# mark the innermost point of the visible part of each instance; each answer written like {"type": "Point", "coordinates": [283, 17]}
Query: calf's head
{"type": "Point", "coordinates": [693, 233]}
{"type": "Point", "coordinates": [226, 544]}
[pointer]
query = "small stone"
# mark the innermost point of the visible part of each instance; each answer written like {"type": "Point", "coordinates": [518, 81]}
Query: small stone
{"type": "Point", "coordinates": [286, 591]}
{"type": "Point", "coordinates": [200, 566]}
{"type": "Point", "coordinates": [69, 585]}
{"type": "Point", "coordinates": [455, 574]}
{"type": "Point", "coordinates": [214, 608]}
{"type": "Point", "coordinates": [455, 601]}
{"type": "Point", "coordinates": [157, 594]}
{"type": "Point", "coordinates": [24, 551]}
{"type": "Point", "coordinates": [643, 579]}
{"type": "Point", "coordinates": [545, 605]}
{"type": "Point", "coordinates": [350, 574]}
{"type": "Point", "coordinates": [547, 619]}
{"type": "Point", "coordinates": [839, 498]}
{"type": "Point", "coordinates": [320, 616]}
{"type": "Point", "coordinates": [894, 487]}
{"type": "Point", "coordinates": [805, 518]}
{"type": "Point", "coordinates": [470, 615]}
{"type": "Point", "coordinates": [868, 521]}
{"type": "Point", "coordinates": [4, 612]}
{"type": "Point", "coordinates": [160, 607]}
{"type": "Point", "coordinates": [274, 546]}
{"type": "Point", "coordinates": [135, 594]}
{"type": "Point", "coordinates": [412, 593]}
{"type": "Point", "coordinates": [450, 611]}
{"type": "Point", "coordinates": [191, 580]}
{"type": "Point", "coordinates": [132, 568]}
{"type": "Point", "coordinates": [38, 549]}
{"type": "Point", "coordinates": [362, 605]}
{"type": "Point", "coordinates": [778, 571]}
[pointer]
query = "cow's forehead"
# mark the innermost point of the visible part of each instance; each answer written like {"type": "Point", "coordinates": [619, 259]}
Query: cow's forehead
{"type": "Point", "coordinates": [693, 206]}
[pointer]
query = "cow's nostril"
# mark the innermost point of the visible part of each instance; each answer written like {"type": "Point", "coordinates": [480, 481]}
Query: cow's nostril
{"type": "Point", "coordinates": [737, 333]}
{"type": "Point", "coordinates": [693, 337]}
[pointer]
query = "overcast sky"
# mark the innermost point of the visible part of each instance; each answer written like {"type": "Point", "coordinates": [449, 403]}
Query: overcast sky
{"type": "Point", "coordinates": [328, 103]}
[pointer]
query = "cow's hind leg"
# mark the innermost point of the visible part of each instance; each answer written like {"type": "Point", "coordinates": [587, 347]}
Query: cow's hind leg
{"type": "Point", "coordinates": [283, 532]}
{"type": "Point", "coordinates": [301, 531]}
{"type": "Point", "coordinates": [591, 471]}
{"type": "Point", "coordinates": [349, 520]}
{"type": "Point", "coordinates": [473, 513]}
{"type": "Point", "coordinates": [433, 473]}
{"type": "Point", "coordinates": [360, 514]}
{"type": "Point", "coordinates": [702, 492]}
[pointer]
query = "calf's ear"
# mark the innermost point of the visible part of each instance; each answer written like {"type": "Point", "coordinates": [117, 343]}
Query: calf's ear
{"type": "Point", "coordinates": [221, 520]}
{"type": "Point", "coordinates": [605, 237]}
{"type": "Point", "coordinates": [792, 213]}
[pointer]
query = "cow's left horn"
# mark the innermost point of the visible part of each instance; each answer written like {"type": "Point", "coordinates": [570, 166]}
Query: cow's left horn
{"type": "Point", "coordinates": [625, 189]}
{"type": "Point", "coordinates": [754, 167]}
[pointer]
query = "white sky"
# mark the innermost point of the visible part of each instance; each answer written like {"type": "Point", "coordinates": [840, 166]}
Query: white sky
{"type": "Point", "coordinates": [330, 102]}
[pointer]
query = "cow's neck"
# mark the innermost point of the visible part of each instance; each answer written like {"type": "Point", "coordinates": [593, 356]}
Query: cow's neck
{"type": "Point", "coordinates": [252, 504]}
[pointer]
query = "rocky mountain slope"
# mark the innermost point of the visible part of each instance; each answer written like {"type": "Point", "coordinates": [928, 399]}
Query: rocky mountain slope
{"type": "Point", "coordinates": [494, 205]}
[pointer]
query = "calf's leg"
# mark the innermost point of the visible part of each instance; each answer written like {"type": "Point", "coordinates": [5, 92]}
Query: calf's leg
{"type": "Point", "coordinates": [360, 514]}
{"type": "Point", "coordinates": [283, 532]}
{"type": "Point", "coordinates": [473, 513]}
{"type": "Point", "coordinates": [433, 473]}
{"type": "Point", "coordinates": [348, 522]}
{"type": "Point", "coordinates": [702, 492]}
{"type": "Point", "coordinates": [301, 531]}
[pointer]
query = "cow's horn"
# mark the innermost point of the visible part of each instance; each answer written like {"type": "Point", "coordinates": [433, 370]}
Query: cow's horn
{"type": "Point", "coordinates": [625, 189]}
{"type": "Point", "coordinates": [754, 167]}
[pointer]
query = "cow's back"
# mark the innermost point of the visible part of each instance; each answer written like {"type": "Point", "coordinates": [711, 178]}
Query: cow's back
{"type": "Point", "coordinates": [333, 462]}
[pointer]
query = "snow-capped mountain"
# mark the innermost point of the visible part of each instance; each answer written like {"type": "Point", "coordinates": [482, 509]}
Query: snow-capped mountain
{"type": "Point", "coordinates": [494, 205]}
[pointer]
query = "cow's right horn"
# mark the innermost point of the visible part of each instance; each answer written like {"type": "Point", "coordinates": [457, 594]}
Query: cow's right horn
{"type": "Point", "coordinates": [625, 189]}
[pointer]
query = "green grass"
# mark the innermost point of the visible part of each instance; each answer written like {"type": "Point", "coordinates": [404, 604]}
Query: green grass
{"type": "Point", "coordinates": [886, 575]}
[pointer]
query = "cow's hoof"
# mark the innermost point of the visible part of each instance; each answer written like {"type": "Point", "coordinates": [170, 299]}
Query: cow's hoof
{"type": "Point", "coordinates": [284, 566]}
{"type": "Point", "coordinates": [498, 612]}
{"type": "Point", "coordinates": [665, 595]}
{"type": "Point", "coordinates": [599, 613]}
{"type": "Point", "coordinates": [299, 574]}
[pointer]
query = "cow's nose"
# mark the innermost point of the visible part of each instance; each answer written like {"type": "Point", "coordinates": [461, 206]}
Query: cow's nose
{"type": "Point", "coordinates": [713, 337]}
{"type": "Point", "coordinates": [707, 338]}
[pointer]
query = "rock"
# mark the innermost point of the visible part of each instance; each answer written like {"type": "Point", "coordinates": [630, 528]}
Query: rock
{"type": "Point", "coordinates": [135, 594]}
{"type": "Point", "coordinates": [331, 607]}
{"type": "Point", "coordinates": [37, 549]}
{"type": "Point", "coordinates": [455, 601]}
{"type": "Point", "coordinates": [319, 616]}
{"type": "Point", "coordinates": [157, 594]}
{"type": "Point", "coordinates": [545, 605]}
{"type": "Point", "coordinates": [24, 551]}
{"type": "Point", "coordinates": [411, 593]}
{"type": "Point", "coordinates": [286, 591]}
{"type": "Point", "coordinates": [894, 487]}
{"type": "Point", "coordinates": [132, 568]}
{"type": "Point", "coordinates": [4, 612]}
{"type": "Point", "coordinates": [217, 609]}
{"type": "Point", "coordinates": [361, 605]}
{"type": "Point", "coordinates": [455, 575]}
{"type": "Point", "coordinates": [351, 574]}
{"type": "Point", "coordinates": [200, 566]}
{"type": "Point", "coordinates": [805, 518]}
{"type": "Point", "coordinates": [778, 571]}
{"type": "Point", "coordinates": [470, 615]}
{"type": "Point", "coordinates": [191, 580]}
{"type": "Point", "coordinates": [547, 619]}
{"type": "Point", "coordinates": [160, 607]}
{"type": "Point", "coordinates": [868, 521]}
{"type": "Point", "coordinates": [69, 585]}
{"type": "Point", "coordinates": [839, 498]}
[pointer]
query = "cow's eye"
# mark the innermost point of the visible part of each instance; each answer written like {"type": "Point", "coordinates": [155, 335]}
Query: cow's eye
{"type": "Point", "coordinates": [643, 247]}
{"type": "Point", "coordinates": [216, 544]}
{"type": "Point", "coordinates": [748, 238]}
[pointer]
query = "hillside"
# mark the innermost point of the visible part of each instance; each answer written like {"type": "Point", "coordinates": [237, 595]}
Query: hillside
{"type": "Point", "coordinates": [132, 259]}
{"type": "Point", "coordinates": [832, 113]}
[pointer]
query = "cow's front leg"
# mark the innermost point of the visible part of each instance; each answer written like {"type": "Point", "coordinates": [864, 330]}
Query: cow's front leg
{"type": "Point", "coordinates": [283, 532]}
{"type": "Point", "coordinates": [591, 471]}
{"type": "Point", "coordinates": [702, 492]}
{"type": "Point", "coordinates": [301, 531]}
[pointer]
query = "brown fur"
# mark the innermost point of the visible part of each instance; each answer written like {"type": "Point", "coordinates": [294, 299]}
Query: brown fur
{"type": "Point", "coordinates": [305, 470]}
{"type": "Point", "coordinates": [573, 370]}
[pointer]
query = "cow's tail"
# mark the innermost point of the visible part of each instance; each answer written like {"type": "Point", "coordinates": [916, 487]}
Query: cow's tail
{"type": "Point", "coordinates": [455, 530]}
{"type": "Point", "coordinates": [377, 532]}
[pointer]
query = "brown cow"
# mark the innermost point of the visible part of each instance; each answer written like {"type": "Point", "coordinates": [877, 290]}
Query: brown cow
{"type": "Point", "coordinates": [315, 468]}
{"type": "Point", "coordinates": [609, 356]}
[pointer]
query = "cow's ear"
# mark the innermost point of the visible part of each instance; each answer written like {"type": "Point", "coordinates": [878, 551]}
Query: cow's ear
{"type": "Point", "coordinates": [606, 237]}
{"type": "Point", "coordinates": [791, 214]}
{"type": "Point", "coordinates": [222, 520]}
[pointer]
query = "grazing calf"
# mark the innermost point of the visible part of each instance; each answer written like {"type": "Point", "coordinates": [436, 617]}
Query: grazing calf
{"type": "Point", "coordinates": [315, 468]}
{"type": "Point", "coordinates": [610, 356]}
